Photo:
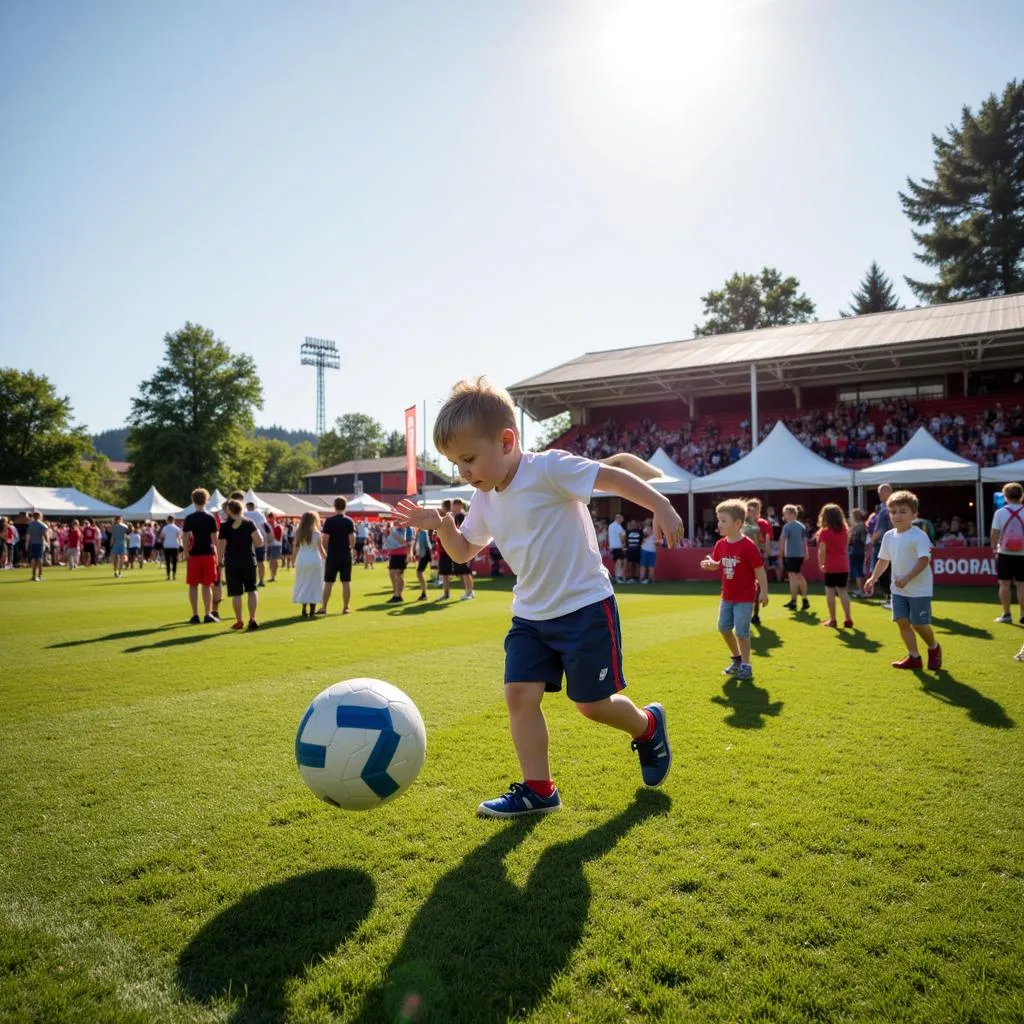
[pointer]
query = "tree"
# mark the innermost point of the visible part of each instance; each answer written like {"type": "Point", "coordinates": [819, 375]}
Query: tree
{"type": "Point", "coordinates": [192, 423]}
{"type": "Point", "coordinates": [749, 301]}
{"type": "Point", "coordinates": [972, 211]}
{"type": "Point", "coordinates": [394, 443]}
{"type": "Point", "coordinates": [355, 436]}
{"type": "Point", "coordinates": [875, 294]}
{"type": "Point", "coordinates": [102, 482]}
{"type": "Point", "coordinates": [38, 445]}
{"type": "Point", "coordinates": [552, 429]}
{"type": "Point", "coordinates": [285, 465]}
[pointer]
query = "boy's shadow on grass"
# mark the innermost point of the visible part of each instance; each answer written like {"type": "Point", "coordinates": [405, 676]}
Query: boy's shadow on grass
{"type": "Point", "coordinates": [951, 626]}
{"type": "Point", "coordinates": [252, 949]}
{"type": "Point", "coordinates": [483, 949]}
{"type": "Point", "coordinates": [858, 640]}
{"type": "Point", "coordinates": [765, 640]}
{"type": "Point", "coordinates": [748, 704]}
{"type": "Point", "coordinates": [128, 634]}
{"type": "Point", "coordinates": [981, 709]}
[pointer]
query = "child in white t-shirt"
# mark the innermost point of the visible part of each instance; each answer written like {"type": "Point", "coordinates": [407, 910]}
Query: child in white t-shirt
{"type": "Point", "coordinates": [564, 617]}
{"type": "Point", "coordinates": [909, 550]}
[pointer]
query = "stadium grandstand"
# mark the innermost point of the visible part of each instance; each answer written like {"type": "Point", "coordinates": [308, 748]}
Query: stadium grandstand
{"type": "Point", "coordinates": [852, 390]}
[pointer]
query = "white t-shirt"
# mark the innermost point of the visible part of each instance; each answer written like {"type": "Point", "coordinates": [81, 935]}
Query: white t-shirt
{"type": "Point", "coordinates": [542, 526]}
{"type": "Point", "coordinates": [1015, 532]}
{"type": "Point", "coordinates": [649, 543]}
{"type": "Point", "coordinates": [170, 536]}
{"type": "Point", "coordinates": [902, 550]}
{"type": "Point", "coordinates": [257, 517]}
{"type": "Point", "coordinates": [616, 535]}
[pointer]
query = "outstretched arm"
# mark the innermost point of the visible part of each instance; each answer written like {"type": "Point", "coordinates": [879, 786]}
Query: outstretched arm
{"type": "Point", "coordinates": [407, 513]}
{"type": "Point", "coordinates": [667, 523]}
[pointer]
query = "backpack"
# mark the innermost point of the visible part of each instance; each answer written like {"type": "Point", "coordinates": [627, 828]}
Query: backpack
{"type": "Point", "coordinates": [1015, 543]}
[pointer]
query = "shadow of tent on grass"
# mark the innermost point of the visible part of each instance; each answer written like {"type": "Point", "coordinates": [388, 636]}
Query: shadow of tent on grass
{"type": "Point", "coordinates": [482, 949]}
{"type": "Point", "coordinates": [981, 709]}
{"type": "Point", "coordinates": [748, 704]}
{"type": "Point", "coordinates": [252, 949]}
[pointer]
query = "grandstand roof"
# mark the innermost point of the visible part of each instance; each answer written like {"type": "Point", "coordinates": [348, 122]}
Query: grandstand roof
{"type": "Point", "coordinates": [929, 339]}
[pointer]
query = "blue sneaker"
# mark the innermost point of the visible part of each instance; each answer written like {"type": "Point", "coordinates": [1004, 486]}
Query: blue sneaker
{"type": "Point", "coordinates": [518, 801]}
{"type": "Point", "coordinates": [732, 669]}
{"type": "Point", "coordinates": [655, 753]}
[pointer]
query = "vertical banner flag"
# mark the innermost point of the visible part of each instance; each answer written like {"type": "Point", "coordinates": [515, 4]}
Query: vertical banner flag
{"type": "Point", "coordinates": [410, 450]}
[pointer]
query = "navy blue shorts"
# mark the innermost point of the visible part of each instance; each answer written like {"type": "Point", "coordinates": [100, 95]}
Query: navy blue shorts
{"type": "Point", "coordinates": [585, 646]}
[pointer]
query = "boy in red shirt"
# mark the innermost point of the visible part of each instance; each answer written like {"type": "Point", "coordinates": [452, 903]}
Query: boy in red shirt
{"type": "Point", "coordinates": [742, 574]}
{"type": "Point", "coordinates": [834, 561]}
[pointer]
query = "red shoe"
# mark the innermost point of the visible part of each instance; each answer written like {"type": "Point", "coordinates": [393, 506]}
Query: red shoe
{"type": "Point", "coordinates": [935, 658]}
{"type": "Point", "coordinates": [238, 625]}
{"type": "Point", "coordinates": [829, 623]}
{"type": "Point", "coordinates": [909, 662]}
{"type": "Point", "coordinates": [848, 624]}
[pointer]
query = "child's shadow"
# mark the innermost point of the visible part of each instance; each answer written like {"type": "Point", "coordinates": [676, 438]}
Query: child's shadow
{"type": "Point", "coordinates": [748, 704]}
{"type": "Point", "coordinates": [255, 947]}
{"type": "Point", "coordinates": [981, 709]}
{"type": "Point", "coordinates": [952, 627]}
{"type": "Point", "coordinates": [765, 640]}
{"type": "Point", "coordinates": [483, 949]}
{"type": "Point", "coordinates": [858, 640]}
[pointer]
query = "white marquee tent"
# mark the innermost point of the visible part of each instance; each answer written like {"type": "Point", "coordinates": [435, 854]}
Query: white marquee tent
{"type": "Point", "coordinates": [1011, 472]}
{"type": "Point", "coordinates": [263, 506]}
{"type": "Point", "coordinates": [52, 501]}
{"type": "Point", "coordinates": [152, 505]}
{"type": "Point", "coordinates": [922, 460]}
{"type": "Point", "coordinates": [365, 504]}
{"type": "Point", "coordinates": [779, 462]}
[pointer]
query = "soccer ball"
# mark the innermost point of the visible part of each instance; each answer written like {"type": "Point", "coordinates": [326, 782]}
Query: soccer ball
{"type": "Point", "coordinates": [360, 743]}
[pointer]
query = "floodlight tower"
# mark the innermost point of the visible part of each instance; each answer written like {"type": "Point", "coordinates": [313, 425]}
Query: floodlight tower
{"type": "Point", "coordinates": [324, 356]}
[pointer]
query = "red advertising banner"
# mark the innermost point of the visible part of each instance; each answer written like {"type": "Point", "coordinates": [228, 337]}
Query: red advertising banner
{"type": "Point", "coordinates": [410, 450]}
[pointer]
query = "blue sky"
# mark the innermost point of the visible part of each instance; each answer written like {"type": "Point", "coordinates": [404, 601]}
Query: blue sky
{"type": "Point", "coordinates": [450, 187]}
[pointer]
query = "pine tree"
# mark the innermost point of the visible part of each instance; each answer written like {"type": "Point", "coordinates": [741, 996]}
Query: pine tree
{"type": "Point", "coordinates": [973, 209]}
{"type": "Point", "coordinates": [875, 294]}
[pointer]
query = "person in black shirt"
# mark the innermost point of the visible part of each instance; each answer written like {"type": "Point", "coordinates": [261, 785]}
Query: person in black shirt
{"type": "Point", "coordinates": [634, 542]}
{"type": "Point", "coordinates": [236, 547]}
{"type": "Point", "coordinates": [340, 532]}
{"type": "Point", "coordinates": [200, 529]}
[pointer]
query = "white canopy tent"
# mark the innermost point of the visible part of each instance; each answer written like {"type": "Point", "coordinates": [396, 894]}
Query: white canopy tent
{"type": "Point", "coordinates": [779, 462]}
{"type": "Point", "coordinates": [365, 504]}
{"type": "Point", "coordinates": [1011, 472]}
{"type": "Point", "coordinates": [216, 500]}
{"type": "Point", "coordinates": [52, 501]}
{"type": "Point", "coordinates": [151, 505]}
{"type": "Point", "coordinates": [923, 460]}
{"type": "Point", "coordinates": [464, 491]}
{"type": "Point", "coordinates": [263, 506]}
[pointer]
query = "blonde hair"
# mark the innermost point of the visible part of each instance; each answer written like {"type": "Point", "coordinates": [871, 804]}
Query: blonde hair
{"type": "Point", "coordinates": [734, 508]}
{"type": "Point", "coordinates": [906, 498]}
{"type": "Point", "coordinates": [309, 522]}
{"type": "Point", "coordinates": [632, 464]}
{"type": "Point", "coordinates": [795, 509]}
{"type": "Point", "coordinates": [474, 405]}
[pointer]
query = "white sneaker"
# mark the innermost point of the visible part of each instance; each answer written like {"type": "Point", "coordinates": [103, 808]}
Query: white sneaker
{"type": "Point", "coordinates": [466, 597]}
{"type": "Point", "coordinates": [1006, 618]}
{"type": "Point", "coordinates": [887, 605]}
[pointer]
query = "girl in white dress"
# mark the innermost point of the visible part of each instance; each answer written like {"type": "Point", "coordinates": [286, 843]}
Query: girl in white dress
{"type": "Point", "coordinates": [309, 564]}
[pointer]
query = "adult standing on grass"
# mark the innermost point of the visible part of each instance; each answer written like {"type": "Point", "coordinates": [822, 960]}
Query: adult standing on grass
{"type": "Point", "coordinates": [882, 526]}
{"type": "Point", "coordinates": [37, 534]}
{"type": "Point", "coordinates": [309, 563]}
{"type": "Point", "coordinates": [237, 543]}
{"type": "Point", "coordinates": [793, 546]}
{"type": "Point", "coordinates": [201, 570]}
{"type": "Point", "coordinates": [90, 542]}
{"type": "Point", "coordinates": [170, 539]}
{"type": "Point", "coordinates": [340, 531]}
{"type": "Point", "coordinates": [1007, 539]}
{"type": "Point", "coordinates": [397, 548]}
{"type": "Point", "coordinates": [118, 545]}
{"type": "Point", "coordinates": [617, 547]}
{"type": "Point", "coordinates": [421, 548]}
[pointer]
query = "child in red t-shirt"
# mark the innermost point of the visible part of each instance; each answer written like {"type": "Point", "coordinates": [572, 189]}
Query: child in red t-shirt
{"type": "Point", "coordinates": [834, 561]}
{"type": "Point", "coordinates": [742, 575]}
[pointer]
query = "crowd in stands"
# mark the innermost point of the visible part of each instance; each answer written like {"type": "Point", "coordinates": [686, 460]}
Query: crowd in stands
{"type": "Point", "coordinates": [850, 434]}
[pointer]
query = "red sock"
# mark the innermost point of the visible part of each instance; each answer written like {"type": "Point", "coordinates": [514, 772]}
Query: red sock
{"type": "Point", "coordinates": [648, 733]}
{"type": "Point", "coordinates": [542, 787]}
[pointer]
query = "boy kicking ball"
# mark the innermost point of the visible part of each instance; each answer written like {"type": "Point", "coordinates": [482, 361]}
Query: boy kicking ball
{"type": "Point", "coordinates": [742, 572]}
{"type": "Point", "coordinates": [907, 548]}
{"type": "Point", "coordinates": [533, 505]}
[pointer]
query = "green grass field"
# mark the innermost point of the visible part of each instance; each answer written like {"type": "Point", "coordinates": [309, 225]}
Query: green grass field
{"type": "Point", "coordinates": [836, 842]}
